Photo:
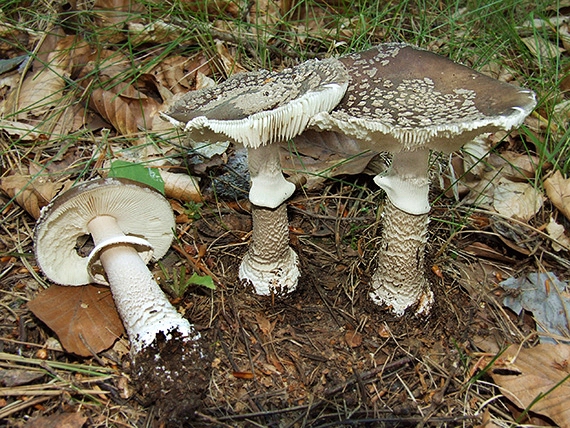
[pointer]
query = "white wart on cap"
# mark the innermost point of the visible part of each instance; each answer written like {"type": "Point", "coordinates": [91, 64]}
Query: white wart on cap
{"type": "Point", "coordinates": [403, 98]}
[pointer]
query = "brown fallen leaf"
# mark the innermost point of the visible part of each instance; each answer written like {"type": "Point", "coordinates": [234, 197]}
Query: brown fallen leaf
{"type": "Point", "coordinates": [538, 374]}
{"type": "Point", "coordinates": [59, 420]}
{"type": "Point", "coordinates": [84, 318]}
{"type": "Point", "coordinates": [17, 377]}
{"type": "Point", "coordinates": [353, 338]}
{"type": "Point", "coordinates": [30, 193]}
{"type": "Point", "coordinates": [125, 113]}
{"type": "Point", "coordinates": [321, 155]}
{"type": "Point", "coordinates": [558, 191]}
{"type": "Point", "coordinates": [44, 88]}
{"type": "Point", "coordinates": [516, 200]}
{"type": "Point", "coordinates": [264, 324]}
{"type": "Point", "coordinates": [178, 73]}
{"type": "Point", "coordinates": [181, 186]}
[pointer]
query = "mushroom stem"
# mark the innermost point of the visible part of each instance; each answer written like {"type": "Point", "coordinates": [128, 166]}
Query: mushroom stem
{"type": "Point", "coordinates": [399, 280]}
{"type": "Point", "coordinates": [270, 264]}
{"type": "Point", "coordinates": [265, 171]}
{"type": "Point", "coordinates": [143, 307]}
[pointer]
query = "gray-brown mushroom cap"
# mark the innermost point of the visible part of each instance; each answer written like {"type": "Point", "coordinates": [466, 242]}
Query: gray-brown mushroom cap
{"type": "Point", "coordinates": [259, 108]}
{"type": "Point", "coordinates": [141, 213]}
{"type": "Point", "coordinates": [401, 98]}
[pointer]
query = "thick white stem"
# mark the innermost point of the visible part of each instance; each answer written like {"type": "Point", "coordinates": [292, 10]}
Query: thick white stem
{"type": "Point", "coordinates": [142, 305]}
{"type": "Point", "coordinates": [400, 280]}
{"type": "Point", "coordinates": [270, 264]}
{"type": "Point", "coordinates": [406, 182]}
{"type": "Point", "coordinates": [268, 186]}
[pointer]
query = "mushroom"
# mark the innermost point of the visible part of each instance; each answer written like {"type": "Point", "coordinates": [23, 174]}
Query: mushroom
{"type": "Point", "coordinates": [409, 101]}
{"type": "Point", "coordinates": [259, 110]}
{"type": "Point", "coordinates": [130, 223]}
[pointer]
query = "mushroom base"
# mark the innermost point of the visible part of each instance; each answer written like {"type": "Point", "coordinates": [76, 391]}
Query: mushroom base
{"type": "Point", "coordinates": [173, 374]}
{"type": "Point", "coordinates": [270, 265]}
{"type": "Point", "coordinates": [400, 280]}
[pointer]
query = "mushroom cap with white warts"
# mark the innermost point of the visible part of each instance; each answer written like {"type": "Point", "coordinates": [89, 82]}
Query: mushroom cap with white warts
{"type": "Point", "coordinates": [263, 107]}
{"type": "Point", "coordinates": [402, 98]}
{"type": "Point", "coordinates": [142, 213]}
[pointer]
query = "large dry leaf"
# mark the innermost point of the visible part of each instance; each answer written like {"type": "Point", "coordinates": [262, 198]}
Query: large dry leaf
{"type": "Point", "coordinates": [124, 111]}
{"type": "Point", "coordinates": [542, 48]}
{"type": "Point", "coordinates": [30, 193]}
{"type": "Point", "coordinates": [44, 88]}
{"type": "Point", "coordinates": [181, 186]}
{"type": "Point", "coordinates": [84, 318]}
{"type": "Point", "coordinates": [558, 190]}
{"type": "Point", "coordinates": [321, 155]}
{"type": "Point", "coordinates": [516, 200]}
{"type": "Point", "coordinates": [547, 298]}
{"type": "Point", "coordinates": [178, 73]}
{"type": "Point", "coordinates": [523, 376]}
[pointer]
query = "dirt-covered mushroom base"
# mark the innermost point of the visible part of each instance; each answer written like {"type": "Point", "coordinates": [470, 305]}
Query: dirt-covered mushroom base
{"type": "Point", "coordinates": [172, 375]}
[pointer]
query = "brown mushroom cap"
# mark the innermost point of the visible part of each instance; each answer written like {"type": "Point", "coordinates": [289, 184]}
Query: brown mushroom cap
{"type": "Point", "coordinates": [403, 98]}
{"type": "Point", "coordinates": [259, 108]}
{"type": "Point", "coordinates": [140, 212]}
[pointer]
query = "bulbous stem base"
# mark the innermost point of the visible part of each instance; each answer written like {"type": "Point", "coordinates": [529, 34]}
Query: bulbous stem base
{"type": "Point", "coordinates": [270, 264]}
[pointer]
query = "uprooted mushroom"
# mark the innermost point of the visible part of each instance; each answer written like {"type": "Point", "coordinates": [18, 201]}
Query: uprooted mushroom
{"type": "Point", "coordinates": [259, 110]}
{"type": "Point", "coordinates": [409, 101]}
{"type": "Point", "coordinates": [129, 223]}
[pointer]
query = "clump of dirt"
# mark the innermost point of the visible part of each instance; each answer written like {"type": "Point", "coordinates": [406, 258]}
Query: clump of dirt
{"type": "Point", "coordinates": [173, 375]}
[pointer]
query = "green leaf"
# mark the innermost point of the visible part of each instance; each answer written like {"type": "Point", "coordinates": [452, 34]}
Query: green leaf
{"type": "Point", "coordinates": [137, 172]}
{"type": "Point", "coordinates": [205, 281]}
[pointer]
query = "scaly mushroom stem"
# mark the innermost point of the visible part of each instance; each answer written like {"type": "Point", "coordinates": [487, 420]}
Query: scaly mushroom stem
{"type": "Point", "coordinates": [270, 264]}
{"type": "Point", "coordinates": [268, 186]}
{"type": "Point", "coordinates": [400, 280]}
{"type": "Point", "coordinates": [143, 307]}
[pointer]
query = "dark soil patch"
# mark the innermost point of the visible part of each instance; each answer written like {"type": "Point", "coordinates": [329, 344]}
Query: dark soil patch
{"type": "Point", "coordinates": [172, 374]}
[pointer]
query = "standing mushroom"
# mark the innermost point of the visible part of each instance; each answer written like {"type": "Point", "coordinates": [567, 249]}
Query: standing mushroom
{"type": "Point", "coordinates": [409, 101]}
{"type": "Point", "coordinates": [130, 223]}
{"type": "Point", "coordinates": [257, 110]}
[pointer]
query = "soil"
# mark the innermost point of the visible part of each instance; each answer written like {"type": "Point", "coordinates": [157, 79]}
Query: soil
{"type": "Point", "coordinates": [171, 374]}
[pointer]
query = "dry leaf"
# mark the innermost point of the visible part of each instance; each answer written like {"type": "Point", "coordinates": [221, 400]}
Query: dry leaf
{"type": "Point", "coordinates": [178, 73]}
{"type": "Point", "coordinates": [228, 60]}
{"type": "Point", "coordinates": [321, 155]}
{"type": "Point", "coordinates": [265, 325]}
{"type": "Point", "coordinates": [558, 190]}
{"type": "Point", "coordinates": [45, 88]}
{"type": "Point", "coordinates": [516, 200]}
{"type": "Point", "coordinates": [17, 377]}
{"type": "Point", "coordinates": [84, 318]}
{"type": "Point", "coordinates": [181, 186]}
{"type": "Point", "coordinates": [353, 338]}
{"type": "Point", "coordinates": [556, 232]}
{"type": "Point", "coordinates": [523, 376]}
{"type": "Point", "coordinates": [542, 48]}
{"type": "Point", "coordinates": [125, 112]}
{"type": "Point", "coordinates": [30, 193]}
{"type": "Point", "coordinates": [58, 420]}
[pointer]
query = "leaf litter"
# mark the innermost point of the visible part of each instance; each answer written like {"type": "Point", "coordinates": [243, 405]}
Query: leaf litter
{"type": "Point", "coordinates": [325, 350]}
